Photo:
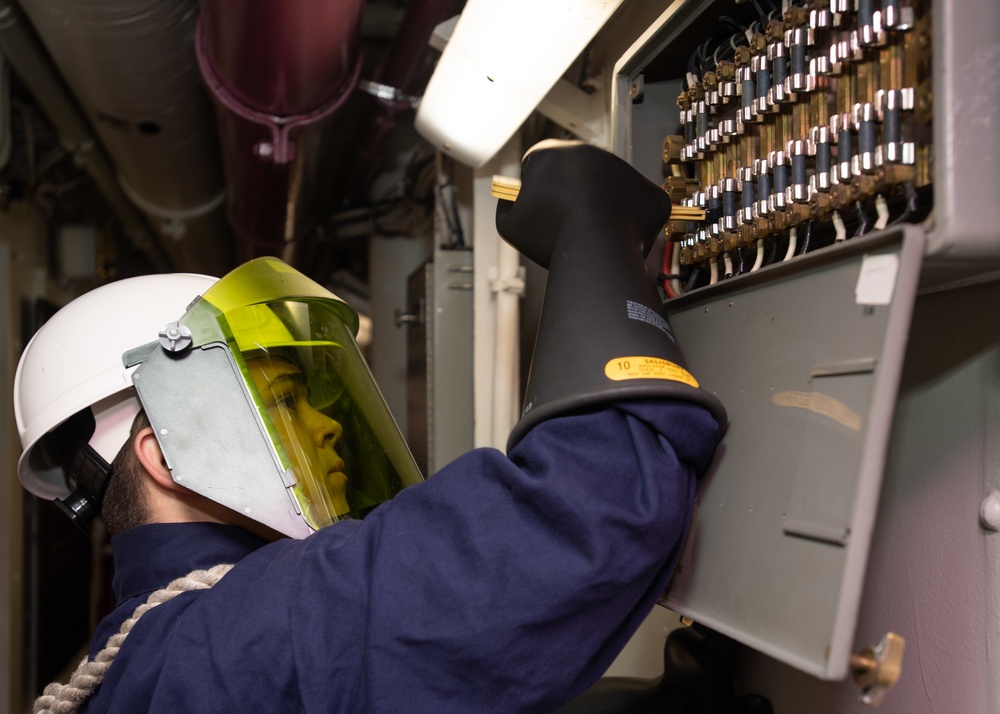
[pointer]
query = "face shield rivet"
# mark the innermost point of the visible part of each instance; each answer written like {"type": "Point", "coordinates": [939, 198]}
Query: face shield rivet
{"type": "Point", "coordinates": [175, 337]}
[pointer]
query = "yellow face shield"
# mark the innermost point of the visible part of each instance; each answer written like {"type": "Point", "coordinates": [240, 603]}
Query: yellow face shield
{"type": "Point", "coordinates": [335, 449]}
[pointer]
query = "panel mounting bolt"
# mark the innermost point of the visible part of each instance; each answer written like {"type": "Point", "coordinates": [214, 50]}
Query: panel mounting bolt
{"type": "Point", "coordinates": [989, 511]}
{"type": "Point", "coordinates": [877, 669]}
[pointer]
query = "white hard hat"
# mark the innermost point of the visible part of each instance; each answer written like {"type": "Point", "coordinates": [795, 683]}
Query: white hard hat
{"type": "Point", "coordinates": [74, 362]}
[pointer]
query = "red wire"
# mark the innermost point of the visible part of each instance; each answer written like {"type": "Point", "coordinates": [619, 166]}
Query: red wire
{"type": "Point", "coordinates": [668, 249]}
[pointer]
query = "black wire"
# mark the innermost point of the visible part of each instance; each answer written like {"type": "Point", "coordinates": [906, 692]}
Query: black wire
{"type": "Point", "coordinates": [740, 265]}
{"type": "Point", "coordinates": [732, 23]}
{"type": "Point", "coordinates": [859, 211]}
{"type": "Point", "coordinates": [693, 280]}
{"type": "Point", "coordinates": [768, 259]}
{"type": "Point", "coordinates": [912, 204]}
{"type": "Point", "coordinates": [807, 238]}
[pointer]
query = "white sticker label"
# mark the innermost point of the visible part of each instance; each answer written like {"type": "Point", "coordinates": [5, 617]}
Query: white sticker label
{"type": "Point", "coordinates": [877, 279]}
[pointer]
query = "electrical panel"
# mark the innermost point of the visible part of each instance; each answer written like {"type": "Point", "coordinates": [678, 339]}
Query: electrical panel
{"type": "Point", "coordinates": [826, 158]}
{"type": "Point", "coordinates": [813, 127]}
{"type": "Point", "coordinates": [820, 121]}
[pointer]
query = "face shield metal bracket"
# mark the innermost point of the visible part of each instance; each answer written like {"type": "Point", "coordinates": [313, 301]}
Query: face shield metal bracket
{"type": "Point", "coordinates": [212, 436]}
{"type": "Point", "coordinates": [138, 355]}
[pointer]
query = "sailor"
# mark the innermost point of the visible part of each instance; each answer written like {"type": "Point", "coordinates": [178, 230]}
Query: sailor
{"type": "Point", "coordinates": [276, 548]}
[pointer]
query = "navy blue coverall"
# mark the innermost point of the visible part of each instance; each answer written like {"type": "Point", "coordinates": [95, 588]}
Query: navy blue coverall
{"type": "Point", "coordinates": [499, 585]}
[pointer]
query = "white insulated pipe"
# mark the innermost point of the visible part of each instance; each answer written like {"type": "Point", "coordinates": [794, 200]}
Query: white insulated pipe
{"type": "Point", "coordinates": [29, 60]}
{"type": "Point", "coordinates": [131, 66]}
{"type": "Point", "coordinates": [509, 287]}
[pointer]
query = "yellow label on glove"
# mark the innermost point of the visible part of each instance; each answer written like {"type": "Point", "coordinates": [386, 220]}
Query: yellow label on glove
{"type": "Point", "coordinates": [622, 368]}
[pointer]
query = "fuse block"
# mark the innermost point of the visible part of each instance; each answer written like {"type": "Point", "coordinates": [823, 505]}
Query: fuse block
{"type": "Point", "coordinates": [810, 126]}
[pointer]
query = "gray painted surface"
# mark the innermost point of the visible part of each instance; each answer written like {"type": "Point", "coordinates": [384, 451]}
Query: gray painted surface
{"type": "Point", "coordinates": [933, 572]}
{"type": "Point", "coordinates": [808, 368]}
{"type": "Point", "coordinates": [439, 351]}
{"type": "Point", "coordinates": [391, 260]}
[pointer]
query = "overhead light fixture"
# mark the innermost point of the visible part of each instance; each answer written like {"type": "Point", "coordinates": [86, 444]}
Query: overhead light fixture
{"type": "Point", "coordinates": [502, 59]}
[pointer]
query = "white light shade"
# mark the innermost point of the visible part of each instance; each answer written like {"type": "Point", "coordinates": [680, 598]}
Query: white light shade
{"type": "Point", "coordinates": [501, 61]}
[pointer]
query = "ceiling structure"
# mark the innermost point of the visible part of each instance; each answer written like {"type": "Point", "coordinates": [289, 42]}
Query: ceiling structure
{"type": "Point", "coordinates": [194, 136]}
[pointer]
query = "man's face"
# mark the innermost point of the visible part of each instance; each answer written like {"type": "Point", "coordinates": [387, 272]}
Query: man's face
{"type": "Point", "coordinates": [308, 435]}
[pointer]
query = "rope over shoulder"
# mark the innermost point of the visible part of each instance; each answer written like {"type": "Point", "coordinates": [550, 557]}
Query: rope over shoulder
{"type": "Point", "coordinates": [66, 698]}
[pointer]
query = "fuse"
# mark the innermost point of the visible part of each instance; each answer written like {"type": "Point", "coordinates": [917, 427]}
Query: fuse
{"type": "Point", "coordinates": [763, 173]}
{"type": "Point", "coordinates": [690, 135]}
{"type": "Point", "coordinates": [745, 77]}
{"type": "Point", "coordinates": [893, 149]}
{"type": "Point", "coordinates": [840, 126]}
{"type": "Point", "coordinates": [701, 126]}
{"type": "Point", "coordinates": [778, 161]}
{"type": "Point", "coordinates": [713, 207]}
{"type": "Point", "coordinates": [870, 32]}
{"type": "Point", "coordinates": [729, 189]}
{"type": "Point", "coordinates": [798, 153]}
{"type": "Point", "coordinates": [799, 80]}
{"type": "Point", "coordinates": [820, 137]}
{"type": "Point", "coordinates": [777, 55]}
{"type": "Point", "coordinates": [865, 117]}
{"type": "Point", "coordinates": [762, 72]}
{"type": "Point", "coordinates": [748, 194]}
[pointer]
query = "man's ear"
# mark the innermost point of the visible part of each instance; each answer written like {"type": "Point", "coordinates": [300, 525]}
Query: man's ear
{"type": "Point", "coordinates": [147, 449]}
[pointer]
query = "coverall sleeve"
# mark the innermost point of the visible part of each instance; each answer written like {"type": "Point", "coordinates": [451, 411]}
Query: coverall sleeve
{"type": "Point", "coordinates": [498, 585]}
{"type": "Point", "coordinates": [511, 584]}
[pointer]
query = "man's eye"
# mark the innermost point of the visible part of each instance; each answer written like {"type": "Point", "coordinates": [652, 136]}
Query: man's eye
{"type": "Point", "coordinates": [286, 401]}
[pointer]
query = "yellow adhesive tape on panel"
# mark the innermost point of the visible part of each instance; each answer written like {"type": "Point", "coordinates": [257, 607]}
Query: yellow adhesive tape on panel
{"type": "Point", "coordinates": [622, 368]}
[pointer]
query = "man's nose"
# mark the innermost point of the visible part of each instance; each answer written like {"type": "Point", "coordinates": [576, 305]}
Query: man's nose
{"type": "Point", "coordinates": [326, 431]}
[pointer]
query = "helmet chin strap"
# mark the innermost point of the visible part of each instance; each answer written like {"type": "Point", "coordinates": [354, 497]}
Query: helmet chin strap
{"type": "Point", "coordinates": [90, 472]}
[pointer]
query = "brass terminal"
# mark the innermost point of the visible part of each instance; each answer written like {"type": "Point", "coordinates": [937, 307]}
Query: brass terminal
{"type": "Point", "coordinates": [687, 213]}
{"type": "Point", "coordinates": [507, 188]}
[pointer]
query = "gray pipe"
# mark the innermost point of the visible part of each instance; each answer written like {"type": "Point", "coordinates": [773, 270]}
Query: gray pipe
{"type": "Point", "coordinates": [24, 52]}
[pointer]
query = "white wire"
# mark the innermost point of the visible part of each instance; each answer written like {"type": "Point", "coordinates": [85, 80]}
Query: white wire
{"type": "Point", "coordinates": [729, 265]}
{"type": "Point", "coordinates": [713, 271]}
{"type": "Point", "coordinates": [882, 208]}
{"type": "Point", "coordinates": [759, 260]}
{"type": "Point", "coordinates": [793, 240]}
{"type": "Point", "coordinates": [838, 224]}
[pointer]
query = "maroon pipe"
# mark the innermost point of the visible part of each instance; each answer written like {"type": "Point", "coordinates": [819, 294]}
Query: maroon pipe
{"type": "Point", "coordinates": [278, 70]}
{"type": "Point", "coordinates": [282, 57]}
